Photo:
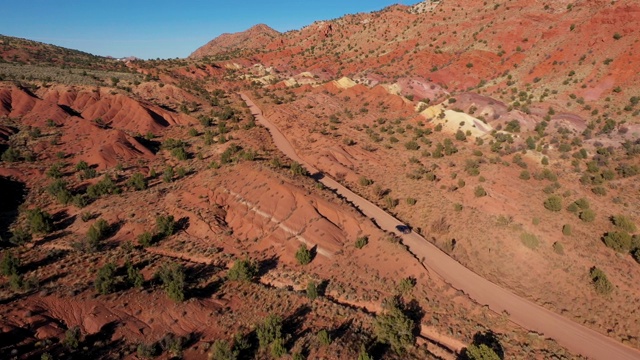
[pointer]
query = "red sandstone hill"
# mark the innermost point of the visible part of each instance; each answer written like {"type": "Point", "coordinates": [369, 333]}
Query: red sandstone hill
{"type": "Point", "coordinates": [580, 49]}
{"type": "Point", "coordinates": [253, 38]}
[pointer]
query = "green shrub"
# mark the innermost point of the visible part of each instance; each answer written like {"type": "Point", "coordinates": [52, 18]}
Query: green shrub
{"type": "Point", "coordinates": [242, 270]}
{"type": "Point", "coordinates": [587, 215]}
{"type": "Point", "coordinates": [412, 145]}
{"type": "Point", "coordinates": [363, 181]}
{"type": "Point", "coordinates": [480, 191]}
{"type": "Point", "coordinates": [138, 181]}
{"type": "Point", "coordinates": [529, 240]}
{"type": "Point", "coordinates": [172, 276]}
{"type": "Point", "coordinates": [82, 165]}
{"type": "Point", "coordinates": [297, 169]}
{"type": "Point", "coordinates": [480, 352]}
{"type": "Point", "coordinates": [362, 241]}
{"type": "Point", "coordinates": [566, 230]}
{"type": "Point", "coordinates": [411, 201]}
{"type": "Point", "coordinates": [105, 282]}
{"type": "Point", "coordinates": [599, 190]}
{"type": "Point", "coordinates": [553, 203]}
{"type": "Point", "coordinates": [165, 226]}
{"type": "Point", "coordinates": [619, 241]}
{"type": "Point", "coordinates": [20, 236]}
{"type": "Point", "coordinates": [145, 239]}
{"type": "Point", "coordinates": [10, 264]}
{"type": "Point", "coordinates": [278, 349]}
{"type": "Point", "coordinates": [600, 281]}
{"type": "Point", "coordinates": [11, 155]}
{"type": "Point", "coordinates": [134, 276]}
{"type": "Point", "coordinates": [558, 248]}
{"type": "Point", "coordinates": [303, 255]}
{"type": "Point", "coordinates": [324, 338]}
{"type": "Point", "coordinates": [96, 233]}
{"type": "Point", "coordinates": [394, 327]}
{"type": "Point", "coordinates": [312, 290]}
{"type": "Point", "coordinates": [106, 186]}
{"type": "Point", "coordinates": [269, 330]}
{"type": "Point", "coordinates": [222, 350]}
{"type": "Point", "coordinates": [525, 175]}
{"type": "Point", "coordinates": [624, 223]}
{"type": "Point", "coordinates": [168, 174]}
{"type": "Point", "coordinates": [72, 338]}
{"type": "Point", "coordinates": [406, 285]}
{"type": "Point", "coordinates": [39, 221]}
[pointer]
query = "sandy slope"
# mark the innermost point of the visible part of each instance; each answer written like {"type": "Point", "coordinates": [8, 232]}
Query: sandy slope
{"type": "Point", "coordinates": [527, 314]}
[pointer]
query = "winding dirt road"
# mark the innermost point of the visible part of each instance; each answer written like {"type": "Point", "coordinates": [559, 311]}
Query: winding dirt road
{"type": "Point", "coordinates": [525, 313]}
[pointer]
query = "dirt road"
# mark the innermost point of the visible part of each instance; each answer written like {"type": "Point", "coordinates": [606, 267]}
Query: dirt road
{"type": "Point", "coordinates": [525, 313]}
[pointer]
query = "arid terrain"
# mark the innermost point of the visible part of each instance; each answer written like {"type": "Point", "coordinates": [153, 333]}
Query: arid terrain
{"type": "Point", "coordinates": [450, 180]}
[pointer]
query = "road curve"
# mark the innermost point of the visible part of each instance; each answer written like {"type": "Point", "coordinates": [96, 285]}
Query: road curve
{"type": "Point", "coordinates": [575, 337]}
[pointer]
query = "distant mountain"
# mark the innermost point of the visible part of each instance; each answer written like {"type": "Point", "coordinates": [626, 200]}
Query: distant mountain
{"type": "Point", "coordinates": [253, 38]}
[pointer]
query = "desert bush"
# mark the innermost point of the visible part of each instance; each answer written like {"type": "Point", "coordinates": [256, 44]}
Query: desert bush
{"type": "Point", "coordinates": [172, 276]}
{"type": "Point", "coordinates": [440, 225]}
{"type": "Point", "coordinates": [168, 174]}
{"type": "Point", "coordinates": [479, 191]}
{"type": "Point", "coordinates": [278, 349]}
{"type": "Point", "coordinates": [106, 186]}
{"type": "Point", "coordinates": [72, 338]}
{"type": "Point", "coordinates": [587, 215]}
{"type": "Point", "coordinates": [165, 226]}
{"type": "Point", "coordinates": [59, 190]}
{"type": "Point", "coordinates": [55, 171]}
{"type": "Point", "coordinates": [145, 239]}
{"type": "Point", "coordinates": [105, 282]}
{"type": "Point", "coordinates": [10, 264]}
{"type": "Point", "coordinates": [529, 240]}
{"type": "Point", "coordinates": [242, 270]}
{"type": "Point", "coordinates": [558, 248]}
{"type": "Point", "coordinates": [363, 181]}
{"type": "Point", "coordinates": [303, 255]}
{"type": "Point", "coordinates": [411, 201]}
{"type": "Point", "coordinates": [222, 350]}
{"type": "Point", "coordinates": [11, 155]}
{"type": "Point", "coordinates": [297, 169]}
{"type": "Point", "coordinates": [619, 241]}
{"type": "Point", "coordinates": [82, 165]}
{"type": "Point", "coordinates": [96, 233]}
{"type": "Point", "coordinates": [600, 281]}
{"type": "Point", "coordinates": [624, 223]}
{"type": "Point", "coordinates": [147, 351]}
{"type": "Point", "coordinates": [566, 230]}
{"type": "Point", "coordinates": [406, 285]}
{"type": "Point", "coordinates": [412, 145]}
{"type": "Point", "coordinates": [393, 327]}
{"type": "Point", "coordinates": [363, 354]}
{"type": "Point", "coordinates": [39, 221]}
{"type": "Point", "coordinates": [134, 276]}
{"type": "Point", "coordinates": [480, 352]}
{"type": "Point", "coordinates": [362, 241]}
{"type": "Point", "coordinates": [20, 236]}
{"type": "Point", "coordinates": [599, 190]}
{"type": "Point", "coordinates": [525, 175]}
{"type": "Point", "coordinates": [390, 202]}
{"type": "Point", "coordinates": [553, 203]}
{"type": "Point", "coordinates": [138, 181]}
{"type": "Point", "coordinates": [269, 330]}
{"type": "Point", "coordinates": [312, 290]}
{"type": "Point", "coordinates": [324, 338]}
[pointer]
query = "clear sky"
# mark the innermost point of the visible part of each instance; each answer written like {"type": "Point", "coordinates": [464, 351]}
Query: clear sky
{"type": "Point", "coordinates": [161, 28]}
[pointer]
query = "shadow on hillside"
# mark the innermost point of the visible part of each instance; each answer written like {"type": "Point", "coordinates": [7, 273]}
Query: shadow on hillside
{"type": "Point", "coordinates": [13, 194]}
{"type": "Point", "coordinates": [266, 265]}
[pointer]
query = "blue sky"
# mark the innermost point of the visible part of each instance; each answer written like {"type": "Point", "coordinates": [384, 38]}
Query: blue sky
{"type": "Point", "coordinates": [161, 28]}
